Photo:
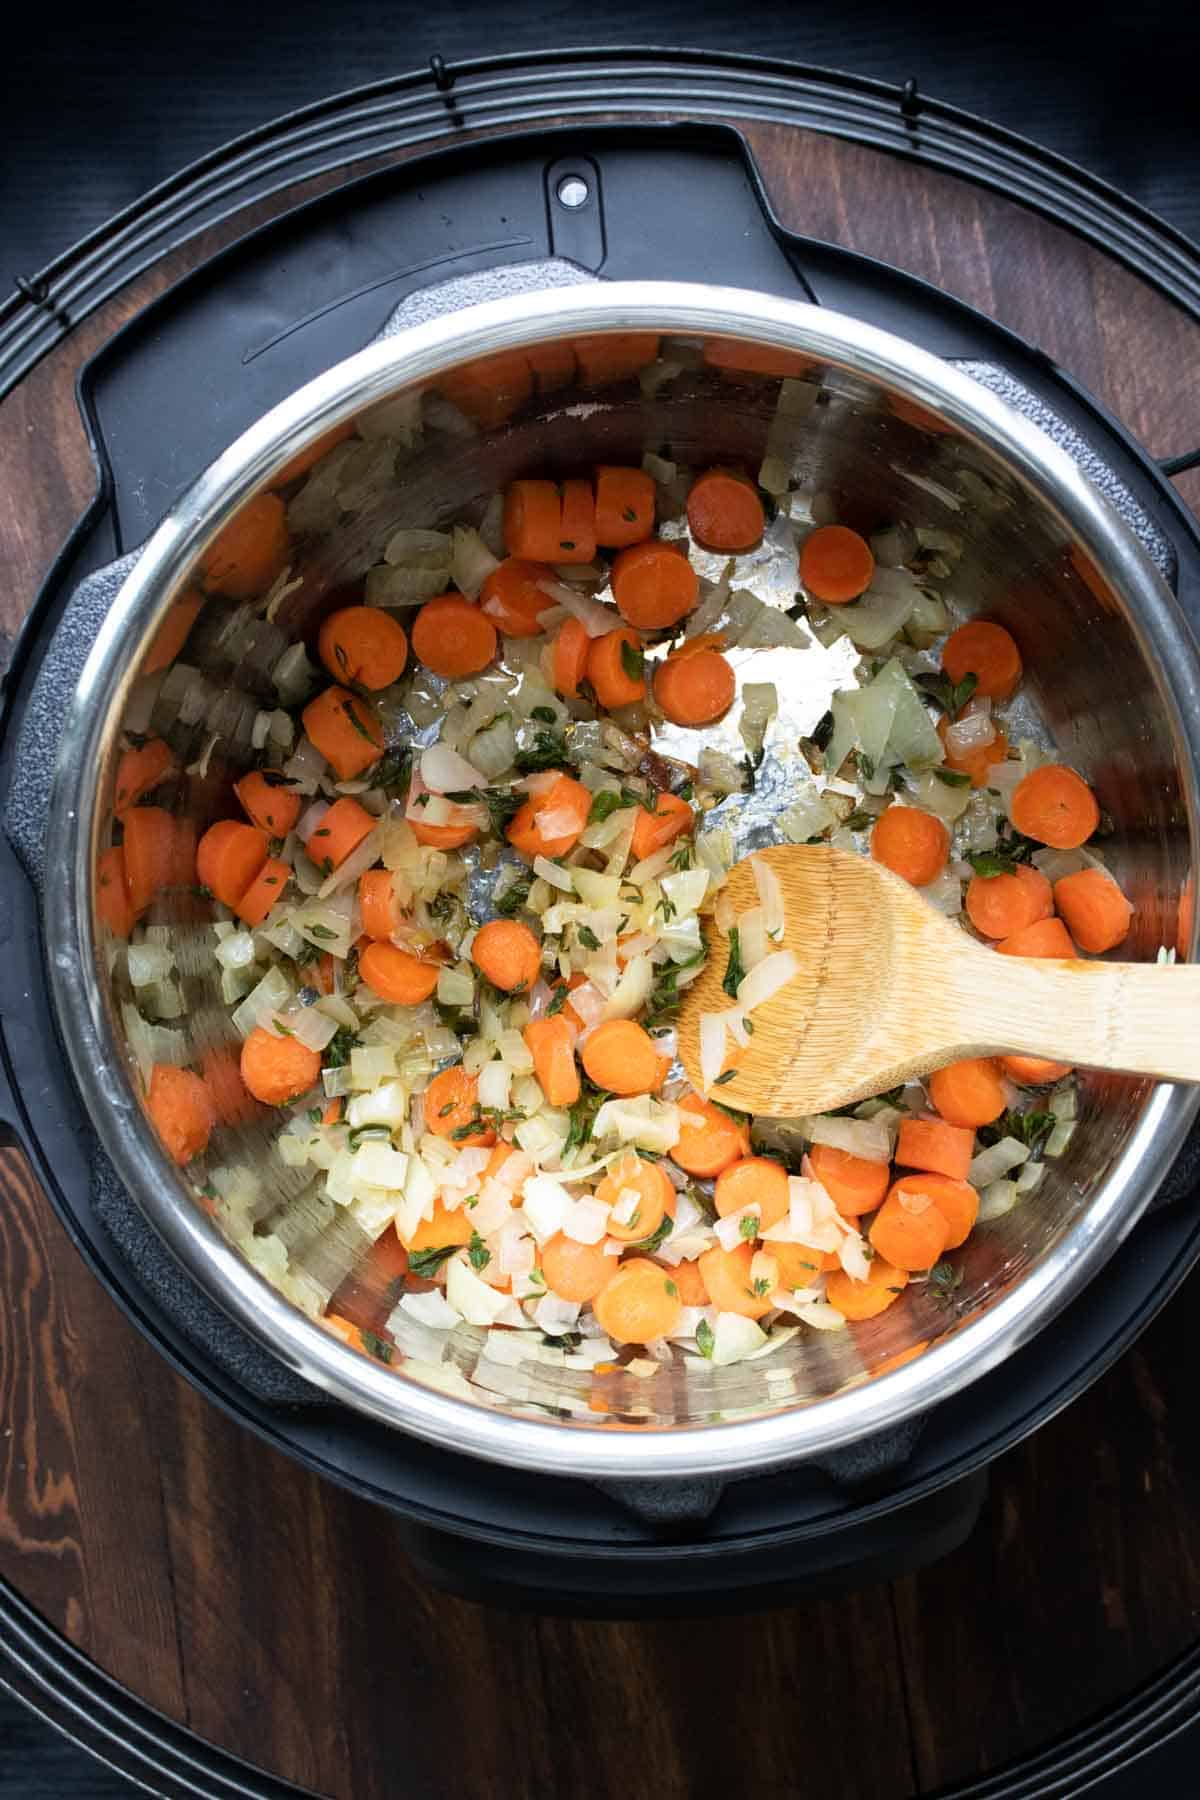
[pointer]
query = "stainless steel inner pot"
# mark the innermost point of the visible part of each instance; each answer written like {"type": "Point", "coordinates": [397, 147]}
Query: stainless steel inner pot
{"type": "Point", "coordinates": [888, 433]}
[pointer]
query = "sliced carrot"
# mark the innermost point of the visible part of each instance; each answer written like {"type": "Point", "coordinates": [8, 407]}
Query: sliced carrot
{"type": "Point", "coordinates": [304, 460]}
{"type": "Point", "coordinates": [223, 1078]}
{"type": "Point", "coordinates": [910, 843]}
{"type": "Point", "coordinates": [490, 389]}
{"type": "Point", "coordinates": [551, 1043]}
{"type": "Point", "coordinates": [724, 511]}
{"type": "Point", "coordinates": [140, 770]}
{"type": "Point", "coordinates": [709, 1140]}
{"type": "Point", "coordinates": [1033, 1071]}
{"type": "Point", "coordinates": [447, 1226]}
{"type": "Point", "coordinates": [575, 1271]}
{"type": "Point", "coordinates": [654, 584]}
{"type": "Point", "coordinates": [172, 634]}
{"type": "Point", "coordinates": [639, 1304]}
{"type": "Point", "coordinates": [695, 688]}
{"type": "Point", "coordinates": [264, 892]}
{"type": "Point", "coordinates": [508, 954]}
{"type": "Point", "coordinates": [345, 730]}
{"type": "Point", "coordinates": [908, 1231]}
{"type": "Point", "coordinates": [616, 668]}
{"type": "Point", "coordinates": [340, 832]}
{"type": "Point", "coordinates": [955, 1200]}
{"type": "Point", "coordinates": [977, 763]}
{"type": "Point", "coordinates": [1049, 937]}
{"type": "Point", "coordinates": [999, 905]}
{"type": "Point", "coordinates": [655, 1197]}
{"type": "Point", "coordinates": [577, 531]}
{"type": "Point", "coordinates": [986, 651]}
{"type": "Point", "coordinates": [613, 356]}
{"type": "Point", "coordinates": [620, 1057]}
{"type": "Point", "coordinates": [377, 903]}
{"type": "Point", "coordinates": [363, 644]}
{"type": "Point", "coordinates": [278, 1069]}
{"type": "Point", "coordinates": [396, 976]}
{"type": "Point", "coordinates": [570, 658]}
{"type": "Point", "coordinates": [269, 800]}
{"type": "Point", "coordinates": [550, 822]}
{"type": "Point", "coordinates": [553, 365]}
{"type": "Point", "coordinates": [229, 858]}
{"type": "Point", "coordinates": [332, 1114]}
{"type": "Point", "coordinates": [251, 552]}
{"type": "Point", "coordinates": [799, 1264]}
{"type": "Point", "coordinates": [729, 1282]}
{"type": "Point", "coordinates": [150, 854]}
{"type": "Point", "coordinates": [930, 1144]}
{"type": "Point", "coordinates": [532, 522]}
{"type": "Point", "coordinates": [654, 830]}
{"type": "Point", "coordinates": [836, 564]}
{"type": "Point", "coordinates": [624, 506]}
{"type": "Point", "coordinates": [1094, 909]}
{"type": "Point", "coordinates": [451, 636]}
{"type": "Point", "coordinates": [182, 1111]}
{"type": "Point", "coordinates": [1056, 806]}
{"type": "Point", "coordinates": [112, 892]}
{"type": "Point", "coordinates": [443, 837]}
{"type": "Point", "coordinates": [968, 1093]}
{"type": "Point", "coordinates": [452, 1106]}
{"type": "Point", "coordinates": [754, 1181]}
{"type": "Point", "coordinates": [854, 1184]}
{"type": "Point", "coordinates": [512, 599]}
{"type": "Point", "coordinates": [858, 1300]}
{"type": "Point", "coordinates": [690, 1282]}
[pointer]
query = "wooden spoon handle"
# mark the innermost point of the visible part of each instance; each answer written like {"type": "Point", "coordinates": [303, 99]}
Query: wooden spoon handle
{"type": "Point", "coordinates": [1143, 1018]}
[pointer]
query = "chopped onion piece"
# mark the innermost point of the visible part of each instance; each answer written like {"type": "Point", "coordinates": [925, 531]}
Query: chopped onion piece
{"type": "Point", "coordinates": [587, 1221]}
{"type": "Point", "coordinates": [444, 771]}
{"type": "Point", "coordinates": [554, 873]}
{"type": "Point", "coordinates": [770, 894]}
{"type": "Point", "coordinates": [998, 1198]}
{"type": "Point", "coordinates": [765, 981]}
{"type": "Point", "coordinates": [1060, 1137]}
{"type": "Point", "coordinates": [972, 732]}
{"type": "Point", "coordinates": [997, 1160]}
{"type": "Point", "coordinates": [479, 1303]}
{"type": "Point", "coordinates": [861, 1137]}
{"type": "Point", "coordinates": [597, 620]}
{"type": "Point", "coordinates": [712, 1046]}
{"type": "Point", "coordinates": [310, 1027]}
{"type": "Point", "coordinates": [735, 1338]}
{"type": "Point", "coordinates": [430, 1309]}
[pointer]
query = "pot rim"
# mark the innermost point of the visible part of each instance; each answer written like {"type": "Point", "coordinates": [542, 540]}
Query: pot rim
{"type": "Point", "coordinates": [418, 354]}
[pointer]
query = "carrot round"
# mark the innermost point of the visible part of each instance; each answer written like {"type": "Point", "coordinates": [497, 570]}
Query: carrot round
{"type": "Point", "coordinates": [264, 892]}
{"type": "Point", "coordinates": [968, 1093]}
{"type": "Point", "coordinates": [250, 553]}
{"type": "Point", "coordinates": [345, 731]}
{"type": "Point", "coordinates": [836, 564]}
{"type": "Point", "coordinates": [624, 506]}
{"type": "Point", "coordinates": [341, 831]}
{"type": "Point", "coordinates": [575, 1271]}
{"type": "Point", "coordinates": [532, 522]}
{"type": "Point", "coordinates": [656, 1197]}
{"type": "Point", "coordinates": [853, 1184]}
{"type": "Point", "coordinates": [396, 976]}
{"type": "Point", "coordinates": [570, 658]}
{"type": "Point", "coordinates": [989, 653]}
{"type": "Point", "coordinates": [363, 644]}
{"type": "Point", "coordinates": [269, 801]}
{"type": "Point", "coordinates": [654, 585]}
{"type": "Point", "coordinates": [690, 1282]}
{"type": "Point", "coordinates": [1056, 806]}
{"type": "Point", "coordinates": [490, 389]}
{"type": "Point", "coordinates": [999, 905]}
{"type": "Point", "coordinates": [931, 1144]}
{"type": "Point", "coordinates": [172, 634]}
{"type": "Point", "coordinates": [452, 1105]}
{"type": "Point", "coordinates": [671, 818]}
{"type": "Point", "coordinates": [304, 460]}
{"type": "Point", "coordinates": [640, 1303]}
{"type": "Point", "coordinates": [799, 1264]}
{"type": "Point", "coordinates": [512, 599]}
{"type": "Point", "coordinates": [443, 837]}
{"type": "Point", "coordinates": [616, 668]}
{"type": "Point", "coordinates": [620, 1057]}
{"type": "Point", "coordinates": [550, 822]}
{"type": "Point", "coordinates": [908, 1231]}
{"type": "Point", "coordinates": [754, 1181]}
{"type": "Point", "coordinates": [910, 843]}
{"type": "Point", "coordinates": [977, 763]}
{"type": "Point", "coordinates": [857, 1300]}
{"type": "Point", "coordinates": [695, 689]}
{"type": "Point", "coordinates": [709, 1140]}
{"type": "Point", "coordinates": [1094, 909]}
{"type": "Point", "coordinates": [955, 1200]}
{"type": "Point", "coordinates": [446, 1226]}
{"type": "Point", "coordinates": [112, 892]}
{"type": "Point", "coordinates": [508, 954]}
{"type": "Point", "coordinates": [1049, 937]}
{"type": "Point", "coordinates": [551, 1043]}
{"type": "Point", "coordinates": [150, 848]}
{"type": "Point", "coordinates": [229, 857]}
{"type": "Point", "coordinates": [140, 770]}
{"type": "Point", "coordinates": [608, 357]}
{"type": "Point", "coordinates": [278, 1069]}
{"type": "Point", "coordinates": [451, 636]}
{"type": "Point", "coordinates": [182, 1111]}
{"type": "Point", "coordinates": [1033, 1071]}
{"type": "Point", "coordinates": [377, 904]}
{"type": "Point", "coordinates": [724, 511]}
{"type": "Point", "coordinates": [577, 528]}
{"type": "Point", "coordinates": [727, 1277]}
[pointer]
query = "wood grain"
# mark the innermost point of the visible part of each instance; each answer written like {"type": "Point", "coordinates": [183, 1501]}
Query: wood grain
{"type": "Point", "coordinates": [279, 1616]}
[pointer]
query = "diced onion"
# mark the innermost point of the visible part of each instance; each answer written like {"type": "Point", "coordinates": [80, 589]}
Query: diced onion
{"type": "Point", "coordinates": [972, 732]}
{"type": "Point", "coordinates": [997, 1160]}
{"type": "Point", "coordinates": [471, 562]}
{"type": "Point", "coordinates": [998, 1198]}
{"type": "Point", "coordinates": [597, 620]}
{"type": "Point", "coordinates": [861, 1137]}
{"type": "Point", "coordinates": [444, 771]}
{"type": "Point", "coordinates": [431, 1309]}
{"type": "Point", "coordinates": [712, 1046]}
{"type": "Point", "coordinates": [1060, 1138]}
{"type": "Point", "coordinates": [735, 1338]}
{"type": "Point", "coordinates": [553, 872]}
{"type": "Point", "coordinates": [765, 981]}
{"type": "Point", "coordinates": [304, 1023]}
{"type": "Point", "coordinates": [770, 894]}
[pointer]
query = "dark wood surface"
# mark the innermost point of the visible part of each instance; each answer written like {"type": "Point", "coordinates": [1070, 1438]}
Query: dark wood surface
{"type": "Point", "coordinates": [278, 1616]}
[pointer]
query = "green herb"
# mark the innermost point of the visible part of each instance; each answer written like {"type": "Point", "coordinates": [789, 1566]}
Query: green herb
{"type": "Point", "coordinates": [314, 1115]}
{"type": "Point", "coordinates": [865, 765]}
{"type": "Point", "coordinates": [944, 1280]}
{"type": "Point", "coordinates": [566, 1340]}
{"type": "Point", "coordinates": [663, 1002]}
{"type": "Point", "coordinates": [364, 1134]}
{"type": "Point", "coordinates": [377, 1346]}
{"type": "Point", "coordinates": [858, 820]}
{"type": "Point", "coordinates": [348, 709]}
{"type": "Point", "coordinates": [633, 660]}
{"type": "Point", "coordinates": [629, 514]}
{"type": "Point", "coordinates": [425, 1263]}
{"type": "Point", "coordinates": [945, 695]}
{"type": "Point", "coordinates": [587, 937]}
{"type": "Point", "coordinates": [275, 778]}
{"type": "Point", "coordinates": [991, 862]}
{"type": "Point", "coordinates": [566, 543]}
{"type": "Point", "coordinates": [546, 715]}
{"type": "Point", "coordinates": [463, 796]}
{"type": "Point", "coordinates": [760, 1289]}
{"type": "Point", "coordinates": [557, 1001]}
{"type": "Point", "coordinates": [722, 1079]}
{"type": "Point", "coordinates": [447, 1109]}
{"type": "Point", "coordinates": [687, 790]}
{"type": "Point", "coordinates": [671, 1289]}
{"type": "Point", "coordinates": [275, 846]}
{"type": "Point", "coordinates": [513, 898]}
{"type": "Point", "coordinates": [337, 1050]}
{"type": "Point", "coordinates": [394, 771]}
{"type": "Point", "coordinates": [455, 1018]}
{"type": "Point", "coordinates": [478, 1254]}
{"type": "Point", "coordinates": [605, 803]}
{"type": "Point", "coordinates": [322, 932]}
{"type": "Point", "coordinates": [537, 1278]}
{"type": "Point", "coordinates": [704, 1338]}
{"type": "Point", "coordinates": [952, 777]}
{"type": "Point", "coordinates": [548, 751]}
{"type": "Point", "coordinates": [735, 971]}
{"type": "Point", "coordinates": [682, 859]}
{"type": "Point", "coordinates": [582, 1118]}
{"type": "Point", "coordinates": [748, 1226]}
{"type": "Point", "coordinates": [649, 1245]}
{"type": "Point", "coordinates": [748, 1026]}
{"type": "Point", "coordinates": [1029, 1128]}
{"type": "Point", "coordinates": [282, 1029]}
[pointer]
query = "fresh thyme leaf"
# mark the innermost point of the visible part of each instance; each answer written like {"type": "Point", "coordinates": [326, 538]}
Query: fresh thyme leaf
{"type": "Point", "coordinates": [865, 765]}
{"type": "Point", "coordinates": [722, 1079]}
{"type": "Point", "coordinates": [671, 1289]}
{"type": "Point", "coordinates": [947, 696]}
{"type": "Point", "coordinates": [337, 1050]}
{"type": "Point", "coordinates": [649, 1245]}
{"type": "Point", "coordinates": [314, 1115]}
{"type": "Point", "coordinates": [587, 937]}
{"type": "Point", "coordinates": [545, 715]}
{"type": "Point", "coordinates": [394, 771]}
{"type": "Point", "coordinates": [365, 1134]}
{"type": "Point", "coordinates": [735, 971]}
{"type": "Point", "coordinates": [705, 1338]}
{"type": "Point", "coordinates": [557, 1001]}
{"type": "Point", "coordinates": [760, 1289]}
{"type": "Point", "coordinates": [513, 898]}
{"type": "Point", "coordinates": [952, 777]}
{"type": "Point", "coordinates": [275, 778]}
{"type": "Point", "coordinates": [376, 1346]}
{"type": "Point", "coordinates": [548, 751]}
{"type": "Point", "coordinates": [1029, 1128]}
{"type": "Point", "coordinates": [748, 1226]}
{"type": "Point", "coordinates": [633, 660]}
{"type": "Point", "coordinates": [991, 862]}
{"type": "Point", "coordinates": [944, 1280]}
{"type": "Point", "coordinates": [424, 1264]}
{"type": "Point", "coordinates": [478, 1254]}
{"type": "Point", "coordinates": [351, 714]}
{"type": "Point", "coordinates": [322, 932]}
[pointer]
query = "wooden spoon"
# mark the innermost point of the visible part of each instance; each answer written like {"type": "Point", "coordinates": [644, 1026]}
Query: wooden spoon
{"type": "Point", "coordinates": [889, 989]}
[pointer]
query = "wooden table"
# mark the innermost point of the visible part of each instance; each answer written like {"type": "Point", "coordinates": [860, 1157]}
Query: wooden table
{"type": "Point", "coordinates": [277, 1616]}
